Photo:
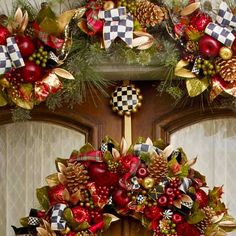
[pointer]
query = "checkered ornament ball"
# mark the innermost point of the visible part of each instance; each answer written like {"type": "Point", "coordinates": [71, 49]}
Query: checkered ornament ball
{"type": "Point", "coordinates": [126, 99]}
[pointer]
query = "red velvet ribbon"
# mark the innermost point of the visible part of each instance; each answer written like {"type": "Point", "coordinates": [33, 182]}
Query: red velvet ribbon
{"type": "Point", "coordinates": [131, 163]}
{"type": "Point", "coordinates": [99, 226]}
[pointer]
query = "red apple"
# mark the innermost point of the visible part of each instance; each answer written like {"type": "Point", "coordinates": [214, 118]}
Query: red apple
{"type": "Point", "coordinates": [25, 45]}
{"type": "Point", "coordinates": [31, 72]}
{"type": "Point", "coordinates": [162, 201]}
{"type": "Point", "coordinates": [177, 218]}
{"type": "Point", "coordinates": [101, 176]}
{"type": "Point", "coordinates": [120, 198]}
{"type": "Point", "coordinates": [209, 47]}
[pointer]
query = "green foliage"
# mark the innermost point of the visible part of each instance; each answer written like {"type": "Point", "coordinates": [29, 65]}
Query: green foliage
{"type": "Point", "coordinates": [20, 115]}
{"type": "Point", "coordinates": [42, 196]}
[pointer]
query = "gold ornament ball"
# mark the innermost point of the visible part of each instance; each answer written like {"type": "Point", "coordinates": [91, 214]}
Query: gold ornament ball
{"type": "Point", "coordinates": [226, 53]}
{"type": "Point", "coordinates": [148, 182]}
{"type": "Point", "coordinates": [108, 5]}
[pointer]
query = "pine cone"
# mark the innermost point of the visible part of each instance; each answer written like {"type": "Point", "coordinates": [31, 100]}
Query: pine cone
{"type": "Point", "coordinates": [149, 14]}
{"type": "Point", "coordinates": [158, 168]}
{"type": "Point", "coordinates": [76, 177]}
{"type": "Point", "coordinates": [227, 68]}
{"type": "Point", "coordinates": [207, 221]}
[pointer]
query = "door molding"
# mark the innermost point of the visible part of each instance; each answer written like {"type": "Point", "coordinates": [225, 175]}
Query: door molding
{"type": "Point", "coordinates": [169, 123]}
{"type": "Point", "coordinates": [91, 128]}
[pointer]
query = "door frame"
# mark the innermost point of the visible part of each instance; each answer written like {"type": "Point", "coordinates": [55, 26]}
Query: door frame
{"type": "Point", "coordinates": [169, 123]}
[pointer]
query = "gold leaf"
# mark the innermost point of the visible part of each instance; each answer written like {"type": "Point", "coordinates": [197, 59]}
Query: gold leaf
{"type": "Point", "coordinates": [149, 141]}
{"type": "Point", "coordinates": [167, 151]}
{"type": "Point", "coordinates": [115, 154]}
{"type": "Point", "coordinates": [181, 71]}
{"type": "Point", "coordinates": [144, 41]}
{"type": "Point", "coordinates": [61, 178]}
{"type": "Point", "coordinates": [42, 232]}
{"type": "Point", "coordinates": [227, 223]}
{"type": "Point", "coordinates": [64, 19]}
{"type": "Point", "coordinates": [113, 217]}
{"type": "Point", "coordinates": [75, 197]}
{"type": "Point", "coordinates": [66, 195]}
{"type": "Point", "coordinates": [52, 180]}
{"type": "Point", "coordinates": [24, 22]}
{"type": "Point", "coordinates": [18, 15]}
{"type": "Point", "coordinates": [23, 104]}
{"type": "Point", "coordinates": [190, 8]}
{"type": "Point", "coordinates": [61, 167]}
{"type": "Point", "coordinates": [63, 73]}
{"type": "Point", "coordinates": [192, 161]}
{"type": "Point", "coordinates": [196, 86]}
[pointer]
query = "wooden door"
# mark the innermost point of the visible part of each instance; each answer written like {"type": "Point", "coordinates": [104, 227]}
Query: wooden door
{"type": "Point", "coordinates": [158, 117]}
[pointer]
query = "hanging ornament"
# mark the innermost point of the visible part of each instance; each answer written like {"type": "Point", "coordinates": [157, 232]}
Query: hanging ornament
{"type": "Point", "coordinates": [126, 99]}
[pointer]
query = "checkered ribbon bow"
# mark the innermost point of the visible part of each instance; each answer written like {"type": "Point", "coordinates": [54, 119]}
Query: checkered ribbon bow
{"type": "Point", "coordinates": [117, 24]}
{"type": "Point", "coordinates": [57, 221]}
{"type": "Point", "coordinates": [223, 29]}
{"type": "Point", "coordinates": [10, 56]}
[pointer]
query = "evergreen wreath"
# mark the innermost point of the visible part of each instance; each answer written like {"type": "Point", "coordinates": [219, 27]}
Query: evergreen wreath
{"type": "Point", "coordinates": [159, 188]}
{"type": "Point", "coordinates": [54, 58]}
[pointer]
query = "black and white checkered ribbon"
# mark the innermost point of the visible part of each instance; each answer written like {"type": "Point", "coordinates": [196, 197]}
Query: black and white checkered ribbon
{"type": "Point", "coordinates": [143, 147]}
{"type": "Point", "coordinates": [222, 30]}
{"type": "Point", "coordinates": [10, 56]}
{"type": "Point", "coordinates": [117, 24]}
{"type": "Point", "coordinates": [185, 184]}
{"type": "Point", "coordinates": [57, 221]}
{"type": "Point", "coordinates": [135, 184]}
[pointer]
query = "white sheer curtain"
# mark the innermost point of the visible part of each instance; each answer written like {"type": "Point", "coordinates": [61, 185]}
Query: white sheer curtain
{"type": "Point", "coordinates": [213, 142]}
{"type": "Point", "coordinates": [27, 154]}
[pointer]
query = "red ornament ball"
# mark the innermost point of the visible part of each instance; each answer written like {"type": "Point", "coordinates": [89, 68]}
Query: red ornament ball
{"type": "Point", "coordinates": [201, 198]}
{"type": "Point", "coordinates": [25, 45]}
{"type": "Point", "coordinates": [209, 47]}
{"type": "Point", "coordinates": [4, 34]}
{"type": "Point", "coordinates": [31, 72]}
{"type": "Point", "coordinates": [177, 218]}
{"type": "Point", "coordinates": [142, 172]}
{"type": "Point", "coordinates": [200, 21]}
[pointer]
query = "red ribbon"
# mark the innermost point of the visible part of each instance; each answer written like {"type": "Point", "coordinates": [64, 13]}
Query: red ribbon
{"type": "Point", "coordinates": [98, 201]}
{"type": "Point", "coordinates": [99, 226]}
{"type": "Point", "coordinates": [48, 39]}
{"type": "Point", "coordinates": [219, 85]}
{"type": "Point", "coordinates": [131, 163]}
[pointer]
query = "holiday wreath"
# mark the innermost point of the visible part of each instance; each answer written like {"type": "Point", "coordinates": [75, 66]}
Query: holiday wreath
{"type": "Point", "coordinates": [158, 187]}
{"type": "Point", "coordinates": [50, 57]}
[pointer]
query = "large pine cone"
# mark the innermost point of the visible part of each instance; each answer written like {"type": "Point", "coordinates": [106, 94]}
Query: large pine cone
{"type": "Point", "coordinates": [207, 221]}
{"type": "Point", "coordinates": [227, 68]}
{"type": "Point", "coordinates": [149, 14]}
{"type": "Point", "coordinates": [76, 177]}
{"type": "Point", "coordinates": [158, 168]}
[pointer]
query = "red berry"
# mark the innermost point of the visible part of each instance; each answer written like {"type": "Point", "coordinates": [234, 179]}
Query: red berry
{"type": "Point", "coordinates": [25, 45]}
{"type": "Point", "coordinates": [169, 191]}
{"type": "Point", "coordinates": [142, 172]}
{"type": "Point", "coordinates": [4, 34]}
{"type": "Point", "coordinates": [177, 218]}
{"type": "Point", "coordinates": [163, 201]}
{"type": "Point", "coordinates": [31, 72]}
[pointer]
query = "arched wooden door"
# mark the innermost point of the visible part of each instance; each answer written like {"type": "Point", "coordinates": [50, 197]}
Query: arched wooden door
{"type": "Point", "coordinates": [156, 118]}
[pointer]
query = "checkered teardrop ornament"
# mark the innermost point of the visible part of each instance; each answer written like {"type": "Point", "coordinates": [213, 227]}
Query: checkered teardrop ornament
{"type": "Point", "coordinates": [126, 99]}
